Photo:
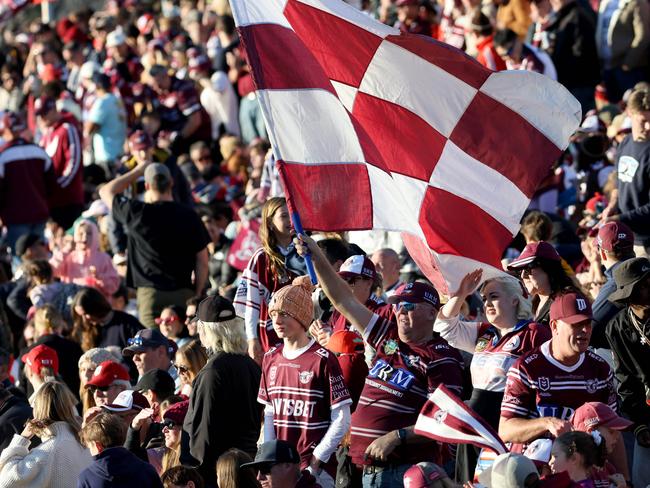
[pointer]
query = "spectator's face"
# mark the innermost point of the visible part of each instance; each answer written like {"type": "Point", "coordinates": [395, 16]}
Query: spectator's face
{"type": "Point", "coordinates": [641, 293]}
{"type": "Point", "coordinates": [211, 226]}
{"type": "Point", "coordinates": [86, 371]}
{"type": "Point", "coordinates": [286, 326]}
{"type": "Point", "coordinates": [106, 394]}
{"type": "Point", "coordinates": [278, 475]}
{"type": "Point", "coordinates": [202, 159]}
{"type": "Point", "coordinates": [161, 82]}
{"type": "Point", "coordinates": [281, 221]}
{"type": "Point", "coordinates": [170, 325]}
{"type": "Point", "coordinates": [361, 287]}
{"type": "Point", "coordinates": [184, 370]}
{"type": "Point", "coordinates": [414, 321]}
{"type": "Point", "coordinates": [640, 125]}
{"type": "Point", "coordinates": [8, 81]}
{"type": "Point", "coordinates": [82, 236]}
{"type": "Point", "coordinates": [559, 460]}
{"type": "Point", "coordinates": [539, 10]}
{"type": "Point", "coordinates": [190, 313]}
{"type": "Point", "coordinates": [536, 280]}
{"type": "Point", "coordinates": [38, 250]}
{"type": "Point", "coordinates": [151, 358]}
{"type": "Point", "coordinates": [570, 339]}
{"type": "Point", "coordinates": [500, 307]}
{"type": "Point", "coordinates": [172, 435]}
{"type": "Point", "coordinates": [151, 125]}
{"type": "Point", "coordinates": [407, 12]}
{"type": "Point", "coordinates": [388, 265]}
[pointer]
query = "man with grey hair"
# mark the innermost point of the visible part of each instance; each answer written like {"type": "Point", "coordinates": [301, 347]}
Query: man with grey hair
{"type": "Point", "coordinates": [166, 240]}
{"type": "Point", "coordinates": [223, 411]}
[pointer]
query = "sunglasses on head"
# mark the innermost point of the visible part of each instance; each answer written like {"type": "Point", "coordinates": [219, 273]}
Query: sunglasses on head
{"type": "Point", "coordinates": [135, 341]}
{"type": "Point", "coordinates": [405, 306]}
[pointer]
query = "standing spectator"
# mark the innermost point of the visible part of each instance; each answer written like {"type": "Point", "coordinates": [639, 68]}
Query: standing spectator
{"type": "Point", "coordinates": [387, 263]}
{"type": "Point", "coordinates": [61, 140]}
{"type": "Point", "coordinates": [150, 349]}
{"type": "Point", "coordinates": [615, 243]}
{"type": "Point", "coordinates": [73, 55]}
{"type": "Point", "coordinates": [269, 269]}
{"type": "Point", "coordinates": [623, 42]}
{"type": "Point", "coordinates": [230, 472]}
{"type": "Point", "coordinates": [159, 268]}
{"type": "Point", "coordinates": [521, 56]}
{"type": "Point", "coordinates": [383, 440]}
{"type": "Point", "coordinates": [108, 381]}
{"type": "Point", "coordinates": [483, 37]}
{"type": "Point", "coordinates": [310, 410]}
{"type": "Point", "coordinates": [629, 337]}
{"type": "Point", "coordinates": [546, 385]}
{"type": "Point", "coordinates": [632, 203]}
{"type": "Point", "coordinates": [223, 411]}
{"type": "Point", "coordinates": [58, 460]}
{"type": "Point", "coordinates": [513, 15]}
{"type": "Point", "coordinates": [219, 99]}
{"type": "Point", "coordinates": [572, 46]}
{"type": "Point", "coordinates": [113, 465]}
{"type": "Point", "coordinates": [26, 180]}
{"type": "Point", "coordinates": [105, 124]}
{"type": "Point", "coordinates": [190, 359]}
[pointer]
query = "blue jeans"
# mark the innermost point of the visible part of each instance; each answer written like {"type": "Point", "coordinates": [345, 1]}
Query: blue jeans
{"type": "Point", "coordinates": [14, 231]}
{"type": "Point", "coordinates": [640, 471]}
{"type": "Point", "coordinates": [388, 478]}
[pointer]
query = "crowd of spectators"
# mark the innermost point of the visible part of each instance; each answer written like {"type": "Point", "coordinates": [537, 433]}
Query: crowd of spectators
{"type": "Point", "coordinates": [156, 327]}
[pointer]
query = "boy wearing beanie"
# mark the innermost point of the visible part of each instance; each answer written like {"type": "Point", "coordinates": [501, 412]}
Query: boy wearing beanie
{"type": "Point", "coordinates": [306, 401]}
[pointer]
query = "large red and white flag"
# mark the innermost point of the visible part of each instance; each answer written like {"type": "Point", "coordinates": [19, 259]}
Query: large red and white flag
{"type": "Point", "coordinates": [444, 417]}
{"type": "Point", "coordinates": [377, 129]}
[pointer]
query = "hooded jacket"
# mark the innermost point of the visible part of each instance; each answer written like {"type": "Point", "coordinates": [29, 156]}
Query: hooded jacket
{"type": "Point", "coordinates": [88, 267]}
{"type": "Point", "coordinates": [116, 467]}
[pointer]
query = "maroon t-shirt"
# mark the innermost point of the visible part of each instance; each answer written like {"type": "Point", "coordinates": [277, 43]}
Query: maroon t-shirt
{"type": "Point", "coordinates": [398, 384]}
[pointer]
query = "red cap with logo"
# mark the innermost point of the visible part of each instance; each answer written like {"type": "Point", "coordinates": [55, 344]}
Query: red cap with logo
{"type": "Point", "coordinates": [615, 235]}
{"type": "Point", "coordinates": [571, 308]}
{"type": "Point", "coordinates": [533, 251]}
{"type": "Point", "coordinates": [422, 475]}
{"type": "Point", "coordinates": [106, 373]}
{"type": "Point", "coordinates": [358, 266]}
{"type": "Point", "coordinates": [40, 357]}
{"type": "Point", "coordinates": [416, 292]}
{"type": "Point", "coordinates": [592, 415]}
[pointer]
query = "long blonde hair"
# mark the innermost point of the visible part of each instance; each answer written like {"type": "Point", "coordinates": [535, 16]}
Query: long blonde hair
{"type": "Point", "coordinates": [194, 355]}
{"type": "Point", "coordinates": [514, 288]}
{"type": "Point", "coordinates": [54, 402]}
{"type": "Point", "coordinates": [228, 336]}
{"type": "Point", "coordinates": [268, 235]}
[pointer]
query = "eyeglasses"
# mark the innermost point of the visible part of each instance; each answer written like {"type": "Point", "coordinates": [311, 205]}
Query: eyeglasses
{"type": "Point", "coordinates": [182, 369]}
{"type": "Point", "coordinates": [405, 306]}
{"type": "Point", "coordinates": [168, 320]}
{"type": "Point", "coordinates": [189, 318]}
{"type": "Point", "coordinates": [170, 424]}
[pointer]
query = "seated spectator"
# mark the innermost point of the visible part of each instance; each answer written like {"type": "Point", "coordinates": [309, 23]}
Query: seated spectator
{"type": "Point", "coordinates": [45, 290]}
{"type": "Point", "coordinates": [156, 385]}
{"type": "Point", "coordinates": [109, 379]}
{"type": "Point", "coordinates": [190, 359]}
{"type": "Point", "coordinates": [521, 56]}
{"type": "Point", "coordinates": [172, 324]}
{"type": "Point", "coordinates": [60, 458]}
{"type": "Point", "coordinates": [182, 477]}
{"type": "Point", "coordinates": [231, 474]}
{"type": "Point", "coordinates": [87, 365]}
{"type": "Point", "coordinates": [41, 366]}
{"type": "Point", "coordinates": [150, 349]}
{"type": "Point", "coordinates": [277, 464]}
{"type": "Point", "coordinates": [15, 411]}
{"type": "Point", "coordinates": [86, 265]}
{"type": "Point", "coordinates": [113, 465]}
{"type": "Point", "coordinates": [577, 453]}
{"type": "Point", "coordinates": [510, 470]}
{"type": "Point", "coordinates": [127, 405]}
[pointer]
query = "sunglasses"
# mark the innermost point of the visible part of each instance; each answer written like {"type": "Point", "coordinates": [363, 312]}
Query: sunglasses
{"type": "Point", "coordinates": [526, 270]}
{"type": "Point", "coordinates": [101, 388]}
{"type": "Point", "coordinates": [170, 424]}
{"type": "Point", "coordinates": [168, 320]}
{"type": "Point", "coordinates": [182, 369]}
{"type": "Point", "coordinates": [265, 469]}
{"type": "Point", "coordinates": [405, 306]}
{"type": "Point", "coordinates": [189, 318]}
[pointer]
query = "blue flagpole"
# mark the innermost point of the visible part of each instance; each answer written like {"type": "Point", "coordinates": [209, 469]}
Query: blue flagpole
{"type": "Point", "coordinates": [297, 225]}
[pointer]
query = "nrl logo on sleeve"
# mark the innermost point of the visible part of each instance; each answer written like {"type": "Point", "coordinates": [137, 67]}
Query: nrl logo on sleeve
{"type": "Point", "coordinates": [305, 376]}
{"type": "Point", "coordinates": [544, 383]}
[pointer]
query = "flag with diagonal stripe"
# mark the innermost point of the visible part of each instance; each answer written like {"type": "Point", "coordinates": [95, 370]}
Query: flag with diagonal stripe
{"type": "Point", "coordinates": [377, 129]}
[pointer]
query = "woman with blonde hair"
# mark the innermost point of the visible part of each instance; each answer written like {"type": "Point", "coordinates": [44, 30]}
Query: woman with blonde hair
{"type": "Point", "coordinates": [190, 358]}
{"type": "Point", "coordinates": [229, 473]}
{"type": "Point", "coordinates": [270, 268]}
{"type": "Point", "coordinates": [60, 458]}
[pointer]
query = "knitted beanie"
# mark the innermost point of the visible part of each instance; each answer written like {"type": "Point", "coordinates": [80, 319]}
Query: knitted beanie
{"type": "Point", "coordinates": [295, 300]}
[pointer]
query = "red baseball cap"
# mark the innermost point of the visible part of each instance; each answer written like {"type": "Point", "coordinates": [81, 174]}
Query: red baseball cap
{"type": "Point", "coordinates": [106, 373]}
{"type": "Point", "coordinates": [421, 475]}
{"type": "Point", "coordinates": [41, 356]}
{"type": "Point", "coordinates": [416, 292]}
{"type": "Point", "coordinates": [140, 141]}
{"type": "Point", "coordinates": [592, 415]}
{"type": "Point", "coordinates": [358, 266]}
{"type": "Point", "coordinates": [43, 105]}
{"type": "Point", "coordinates": [533, 251]}
{"type": "Point", "coordinates": [177, 412]}
{"type": "Point", "coordinates": [345, 342]}
{"type": "Point", "coordinates": [614, 235]}
{"type": "Point", "coordinates": [571, 308]}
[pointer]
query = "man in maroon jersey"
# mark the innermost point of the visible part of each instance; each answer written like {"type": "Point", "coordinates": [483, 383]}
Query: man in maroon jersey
{"type": "Point", "coordinates": [306, 401]}
{"type": "Point", "coordinates": [545, 386]}
{"type": "Point", "coordinates": [411, 362]}
{"type": "Point", "coordinates": [62, 142]}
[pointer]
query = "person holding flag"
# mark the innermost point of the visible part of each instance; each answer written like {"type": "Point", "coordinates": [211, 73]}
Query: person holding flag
{"type": "Point", "coordinates": [411, 362]}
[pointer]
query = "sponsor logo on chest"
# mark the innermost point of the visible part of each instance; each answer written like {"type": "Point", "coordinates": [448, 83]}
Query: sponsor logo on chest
{"type": "Point", "coordinates": [398, 377]}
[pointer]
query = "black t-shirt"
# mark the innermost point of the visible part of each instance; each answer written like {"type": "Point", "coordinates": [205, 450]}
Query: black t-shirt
{"type": "Point", "coordinates": [118, 330]}
{"type": "Point", "coordinates": [163, 240]}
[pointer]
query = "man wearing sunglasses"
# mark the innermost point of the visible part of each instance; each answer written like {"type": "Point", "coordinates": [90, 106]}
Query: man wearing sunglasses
{"type": "Point", "coordinates": [277, 465]}
{"type": "Point", "coordinates": [152, 350]}
{"type": "Point", "coordinates": [108, 381]}
{"type": "Point", "coordinates": [411, 362]}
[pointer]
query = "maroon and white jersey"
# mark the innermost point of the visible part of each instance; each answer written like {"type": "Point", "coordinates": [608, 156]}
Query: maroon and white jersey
{"type": "Point", "coordinates": [177, 104]}
{"type": "Point", "coordinates": [374, 304]}
{"type": "Point", "coordinates": [398, 384]}
{"type": "Point", "coordinates": [302, 392]}
{"type": "Point", "coordinates": [540, 386]}
{"type": "Point", "coordinates": [258, 283]}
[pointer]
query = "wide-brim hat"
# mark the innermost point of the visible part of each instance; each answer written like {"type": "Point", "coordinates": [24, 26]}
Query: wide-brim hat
{"type": "Point", "coordinates": [627, 275]}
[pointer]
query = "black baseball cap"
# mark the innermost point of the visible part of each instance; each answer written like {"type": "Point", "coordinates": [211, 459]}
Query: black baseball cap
{"type": "Point", "coordinates": [148, 338]}
{"type": "Point", "coordinates": [215, 308]}
{"type": "Point", "coordinates": [26, 241]}
{"type": "Point", "coordinates": [157, 380]}
{"type": "Point", "coordinates": [274, 452]}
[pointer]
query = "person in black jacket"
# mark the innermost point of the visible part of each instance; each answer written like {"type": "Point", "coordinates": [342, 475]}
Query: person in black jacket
{"type": "Point", "coordinates": [223, 411]}
{"type": "Point", "coordinates": [114, 466]}
{"type": "Point", "coordinates": [628, 334]}
{"type": "Point", "coordinates": [14, 412]}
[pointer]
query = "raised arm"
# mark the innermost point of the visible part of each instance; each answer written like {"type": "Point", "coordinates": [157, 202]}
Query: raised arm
{"type": "Point", "coordinates": [334, 287]}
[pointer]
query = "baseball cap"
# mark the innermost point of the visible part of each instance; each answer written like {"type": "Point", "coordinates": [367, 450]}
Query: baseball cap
{"type": "Point", "coordinates": [12, 121]}
{"type": "Point", "coordinates": [43, 105]}
{"type": "Point", "coordinates": [26, 241]}
{"type": "Point", "coordinates": [509, 470]}
{"type": "Point", "coordinates": [614, 235]}
{"type": "Point", "coordinates": [97, 209]}
{"type": "Point", "coordinates": [539, 451]}
{"type": "Point", "coordinates": [156, 171]}
{"type": "Point", "coordinates": [106, 373]}
{"type": "Point", "coordinates": [627, 275]}
{"type": "Point", "coordinates": [421, 475]}
{"type": "Point", "coordinates": [274, 452]}
{"type": "Point", "coordinates": [358, 266]}
{"type": "Point", "coordinates": [115, 38]}
{"type": "Point", "coordinates": [533, 251]}
{"type": "Point", "coordinates": [140, 141]}
{"type": "Point", "coordinates": [571, 308]}
{"type": "Point", "coordinates": [145, 23]}
{"type": "Point", "coordinates": [177, 412]}
{"type": "Point", "coordinates": [88, 69]}
{"type": "Point", "coordinates": [127, 400]}
{"type": "Point", "coordinates": [215, 308]}
{"type": "Point", "coordinates": [148, 338]}
{"type": "Point", "coordinates": [41, 356]}
{"type": "Point", "coordinates": [345, 342]}
{"type": "Point", "coordinates": [416, 292]}
{"type": "Point", "coordinates": [592, 415]}
{"type": "Point", "coordinates": [157, 380]}
{"type": "Point", "coordinates": [404, 3]}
